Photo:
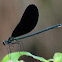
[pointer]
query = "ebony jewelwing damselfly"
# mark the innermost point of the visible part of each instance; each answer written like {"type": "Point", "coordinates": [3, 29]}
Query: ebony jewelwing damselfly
{"type": "Point", "coordinates": [27, 24]}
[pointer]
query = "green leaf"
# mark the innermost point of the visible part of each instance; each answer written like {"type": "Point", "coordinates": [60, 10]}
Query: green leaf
{"type": "Point", "coordinates": [14, 57]}
{"type": "Point", "coordinates": [50, 60]}
{"type": "Point", "coordinates": [57, 57]}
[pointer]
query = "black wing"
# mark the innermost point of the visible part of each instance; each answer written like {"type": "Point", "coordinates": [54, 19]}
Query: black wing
{"type": "Point", "coordinates": [27, 22]}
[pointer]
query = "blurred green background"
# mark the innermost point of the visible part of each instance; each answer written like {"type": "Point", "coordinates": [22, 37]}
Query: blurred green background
{"type": "Point", "coordinates": [44, 44]}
